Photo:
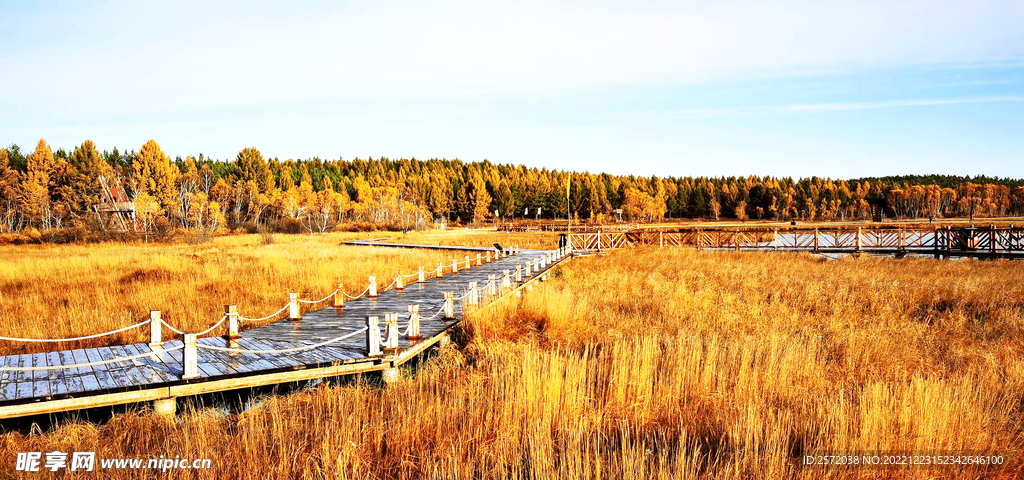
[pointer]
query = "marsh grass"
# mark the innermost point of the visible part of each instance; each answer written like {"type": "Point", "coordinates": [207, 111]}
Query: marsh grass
{"type": "Point", "coordinates": [63, 291]}
{"type": "Point", "coordinates": [651, 364]}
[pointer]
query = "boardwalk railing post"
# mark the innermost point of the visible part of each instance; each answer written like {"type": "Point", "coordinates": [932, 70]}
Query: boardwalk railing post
{"type": "Point", "coordinates": [815, 239]}
{"type": "Point", "coordinates": [529, 265]}
{"type": "Point", "coordinates": [398, 282]}
{"type": "Point", "coordinates": [293, 307]}
{"type": "Point", "coordinates": [373, 287]}
{"type": "Point", "coordinates": [339, 296]}
{"type": "Point", "coordinates": [492, 285]}
{"type": "Point", "coordinates": [480, 259]}
{"type": "Point", "coordinates": [487, 258]}
{"type": "Point", "coordinates": [372, 336]}
{"type": "Point", "coordinates": [190, 358]}
{"type": "Point", "coordinates": [155, 329]}
{"type": "Point", "coordinates": [440, 272]}
{"type": "Point", "coordinates": [857, 248]}
{"type": "Point", "coordinates": [473, 298]}
{"type": "Point", "coordinates": [467, 262]}
{"type": "Point", "coordinates": [390, 332]}
{"type": "Point", "coordinates": [519, 274]}
{"type": "Point", "coordinates": [455, 266]}
{"type": "Point", "coordinates": [506, 280]}
{"type": "Point", "coordinates": [775, 239]}
{"type": "Point", "coordinates": [231, 311]}
{"type": "Point", "coordinates": [413, 333]}
{"type": "Point", "coordinates": [420, 278]}
{"type": "Point", "coordinates": [449, 305]}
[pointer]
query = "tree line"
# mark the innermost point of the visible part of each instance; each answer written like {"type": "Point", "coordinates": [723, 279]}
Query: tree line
{"type": "Point", "coordinates": [46, 190]}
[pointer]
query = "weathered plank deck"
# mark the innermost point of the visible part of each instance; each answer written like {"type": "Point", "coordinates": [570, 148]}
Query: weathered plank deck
{"type": "Point", "coordinates": [157, 374]}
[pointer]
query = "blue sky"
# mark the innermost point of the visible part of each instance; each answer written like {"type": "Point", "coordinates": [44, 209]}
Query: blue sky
{"type": "Point", "coordinates": [678, 88]}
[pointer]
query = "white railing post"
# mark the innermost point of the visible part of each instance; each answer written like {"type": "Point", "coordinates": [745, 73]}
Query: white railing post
{"type": "Point", "coordinates": [472, 300]}
{"type": "Point", "coordinates": [156, 339]}
{"type": "Point", "coordinates": [420, 278]}
{"type": "Point", "coordinates": [231, 311]}
{"type": "Point", "coordinates": [293, 307]}
{"type": "Point", "coordinates": [190, 358]}
{"type": "Point", "coordinates": [519, 274]}
{"type": "Point", "coordinates": [467, 262]}
{"type": "Point", "coordinates": [413, 333]}
{"type": "Point", "coordinates": [506, 280]}
{"type": "Point", "coordinates": [449, 305]}
{"type": "Point", "coordinates": [529, 265]}
{"type": "Point", "coordinates": [390, 332]}
{"type": "Point", "coordinates": [440, 272]}
{"type": "Point", "coordinates": [488, 257]}
{"type": "Point", "coordinates": [480, 258]}
{"type": "Point", "coordinates": [373, 286]}
{"type": "Point", "coordinates": [455, 266]}
{"type": "Point", "coordinates": [372, 336]}
{"type": "Point", "coordinates": [492, 285]}
{"type": "Point", "coordinates": [339, 296]}
{"type": "Point", "coordinates": [398, 282]}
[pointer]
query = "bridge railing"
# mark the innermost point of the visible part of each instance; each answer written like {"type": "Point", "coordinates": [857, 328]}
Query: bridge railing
{"type": "Point", "coordinates": [981, 240]}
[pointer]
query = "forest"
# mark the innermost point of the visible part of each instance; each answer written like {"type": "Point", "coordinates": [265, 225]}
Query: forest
{"type": "Point", "coordinates": [47, 191]}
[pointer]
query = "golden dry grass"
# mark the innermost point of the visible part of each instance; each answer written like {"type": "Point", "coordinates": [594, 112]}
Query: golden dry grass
{"type": "Point", "coordinates": [651, 364]}
{"type": "Point", "coordinates": [65, 291]}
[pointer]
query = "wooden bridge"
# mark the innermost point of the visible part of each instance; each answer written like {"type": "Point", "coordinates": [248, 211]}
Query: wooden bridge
{"type": "Point", "coordinates": [943, 241]}
{"type": "Point", "coordinates": [287, 346]}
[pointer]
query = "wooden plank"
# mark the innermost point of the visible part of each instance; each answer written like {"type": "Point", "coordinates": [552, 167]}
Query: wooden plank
{"type": "Point", "coordinates": [40, 378]}
{"type": "Point", "coordinates": [59, 379]}
{"type": "Point", "coordinates": [119, 376]}
{"type": "Point", "coordinates": [10, 384]}
{"type": "Point", "coordinates": [24, 378]}
{"type": "Point", "coordinates": [266, 361]}
{"type": "Point", "coordinates": [104, 380]}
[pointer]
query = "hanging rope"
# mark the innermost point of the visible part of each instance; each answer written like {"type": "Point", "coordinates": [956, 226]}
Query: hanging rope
{"type": "Point", "coordinates": [283, 350]}
{"type": "Point", "coordinates": [357, 296]}
{"type": "Point", "coordinates": [90, 364]}
{"type": "Point", "coordinates": [329, 295]}
{"type": "Point", "coordinates": [265, 317]}
{"type": "Point", "coordinates": [87, 337]}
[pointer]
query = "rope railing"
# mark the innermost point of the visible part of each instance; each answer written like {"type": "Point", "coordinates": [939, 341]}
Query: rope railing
{"type": "Point", "coordinates": [87, 337]}
{"type": "Point", "coordinates": [91, 364]}
{"type": "Point", "coordinates": [283, 350]}
{"type": "Point", "coordinates": [357, 296]}
{"type": "Point", "coordinates": [272, 315]}
{"type": "Point", "coordinates": [329, 295]}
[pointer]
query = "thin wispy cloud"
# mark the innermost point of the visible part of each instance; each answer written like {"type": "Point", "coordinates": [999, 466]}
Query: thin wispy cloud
{"type": "Point", "coordinates": [698, 113]}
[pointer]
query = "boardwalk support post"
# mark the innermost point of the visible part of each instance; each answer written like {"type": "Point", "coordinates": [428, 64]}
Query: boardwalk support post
{"type": "Point", "coordinates": [190, 358]}
{"type": "Point", "coordinates": [165, 407]}
{"type": "Point", "coordinates": [473, 294]}
{"type": "Point", "coordinates": [858, 244]}
{"type": "Point", "coordinates": [492, 285]}
{"type": "Point", "coordinates": [373, 287]}
{"type": "Point", "coordinates": [440, 272]}
{"type": "Point", "coordinates": [155, 330]}
{"type": "Point", "coordinates": [480, 259]}
{"type": "Point", "coordinates": [420, 278]}
{"type": "Point", "coordinates": [519, 274]}
{"type": "Point", "coordinates": [231, 311]}
{"type": "Point", "coordinates": [398, 282]}
{"type": "Point", "coordinates": [449, 305]}
{"type": "Point", "coordinates": [293, 307]}
{"type": "Point", "coordinates": [339, 296]}
{"type": "Point", "coordinates": [372, 336]}
{"type": "Point", "coordinates": [467, 262]}
{"type": "Point", "coordinates": [529, 265]}
{"type": "Point", "coordinates": [413, 332]}
{"type": "Point", "coordinates": [506, 280]}
{"type": "Point", "coordinates": [455, 266]}
{"type": "Point", "coordinates": [390, 332]}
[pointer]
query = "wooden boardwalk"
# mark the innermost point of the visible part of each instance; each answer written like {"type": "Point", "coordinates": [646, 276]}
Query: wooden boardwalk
{"type": "Point", "coordinates": [139, 373]}
{"type": "Point", "coordinates": [939, 241]}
